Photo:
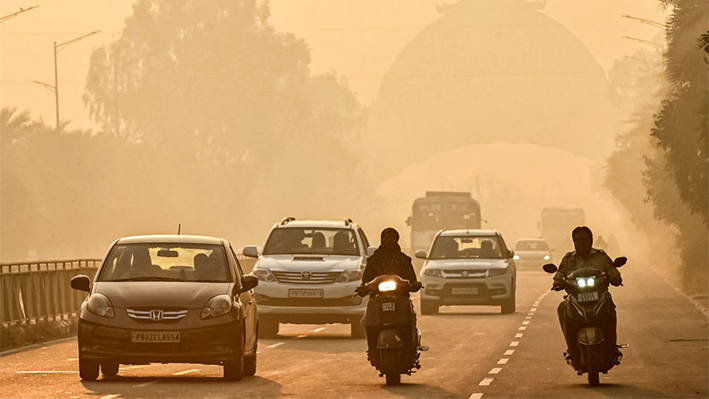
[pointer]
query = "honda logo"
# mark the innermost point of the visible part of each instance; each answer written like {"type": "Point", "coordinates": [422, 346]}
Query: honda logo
{"type": "Point", "coordinates": [156, 315]}
{"type": "Point", "coordinates": [306, 275]}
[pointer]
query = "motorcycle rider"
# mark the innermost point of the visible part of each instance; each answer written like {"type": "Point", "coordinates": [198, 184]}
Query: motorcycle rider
{"type": "Point", "coordinates": [388, 260]}
{"type": "Point", "coordinates": [586, 256]}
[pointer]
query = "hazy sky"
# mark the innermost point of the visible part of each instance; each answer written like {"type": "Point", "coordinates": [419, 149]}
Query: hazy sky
{"type": "Point", "coordinates": [358, 40]}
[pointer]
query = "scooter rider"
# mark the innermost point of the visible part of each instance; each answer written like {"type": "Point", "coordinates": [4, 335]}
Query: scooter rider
{"type": "Point", "coordinates": [389, 260]}
{"type": "Point", "coordinates": [586, 256]}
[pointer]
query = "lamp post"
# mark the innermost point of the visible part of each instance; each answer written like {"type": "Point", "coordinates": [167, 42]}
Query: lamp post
{"type": "Point", "coordinates": [57, 48]}
{"type": "Point", "coordinates": [13, 15]}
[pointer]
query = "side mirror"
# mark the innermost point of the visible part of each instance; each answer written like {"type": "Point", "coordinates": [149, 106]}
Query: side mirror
{"type": "Point", "coordinates": [550, 268]}
{"type": "Point", "coordinates": [251, 251]}
{"type": "Point", "coordinates": [620, 261]}
{"type": "Point", "coordinates": [511, 253]}
{"type": "Point", "coordinates": [370, 251]}
{"type": "Point", "coordinates": [421, 254]}
{"type": "Point", "coordinates": [249, 282]}
{"type": "Point", "coordinates": [81, 283]}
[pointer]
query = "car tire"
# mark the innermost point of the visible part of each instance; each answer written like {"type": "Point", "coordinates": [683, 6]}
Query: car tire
{"type": "Point", "coordinates": [428, 307]}
{"type": "Point", "coordinates": [267, 328]}
{"type": "Point", "coordinates": [88, 370]}
{"type": "Point", "coordinates": [109, 369]}
{"type": "Point", "coordinates": [234, 370]}
{"type": "Point", "coordinates": [509, 305]}
{"type": "Point", "coordinates": [250, 364]}
{"type": "Point", "coordinates": [357, 331]}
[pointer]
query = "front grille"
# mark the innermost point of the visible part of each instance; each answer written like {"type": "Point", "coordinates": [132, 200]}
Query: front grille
{"type": "Point", "coordinates": [152, 314]}
{"type": "Point", "coordinates": [463, 273]}
{"type": "Point", "coordinates": [349, 300]}
{"type": "Point", "coordinates": [306, 277]}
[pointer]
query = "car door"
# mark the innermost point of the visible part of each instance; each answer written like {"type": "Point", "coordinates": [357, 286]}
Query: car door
{"type": "Point", "coordinates": [248, 304]}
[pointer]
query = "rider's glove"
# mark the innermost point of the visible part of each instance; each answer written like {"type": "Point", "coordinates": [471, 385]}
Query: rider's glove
{"type": "Point", "coordinates": [558, 285]}
{"type": "Point", "coordinates": [616, 281]}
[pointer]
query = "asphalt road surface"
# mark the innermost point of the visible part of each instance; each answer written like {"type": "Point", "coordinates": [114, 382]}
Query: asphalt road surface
{"type": "Point", "coordinates": [475, 352]}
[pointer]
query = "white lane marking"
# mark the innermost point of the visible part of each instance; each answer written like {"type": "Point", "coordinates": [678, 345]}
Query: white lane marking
{"type": "Point", "coordinates": [46, 372]}
{"type": "Point", "coordinates": [524, 323]}
{"type": "Point", "coordinates": [478, 333]}
{"type": "Point", "coordinates": [496, 370]}
{"type": "Point", "coordinates": [72, 359]}
{"type": "Point", "coordinates": [317, 329]}
{"type": "Point", "coordinates": [185, 372]}
{"type": "Point", "coordinates": [258, 352]}
{"type": "Point", "coordinates": [518, 335]}
{"type": "Point", "coordinates": [145, 384]}
{"type": "Point", "coordinates": [110, 396]}
{"type": "Point", "coordinates": [301, 336]}
{"type": "Point", "coordinates": [140, 366]}
{"type": "Point", "coordinates": [514, 343]}
{"type": "Point", "coordinates": [485, 382]}
{"type": "Point", "coordinates": [532, 310]}
{"type": "Point", "coordinates": [504, 360]}
{"type": "Point", "coordinates": [529, 315]}
{"type": "Point", "coordinates": [276, 345]}
{"type": "Point", "coordinates": [476, 395]}
{"type": "Point", "coordinates": [522, 328]}
{"type": "Point", "coordinates": [509, 352]}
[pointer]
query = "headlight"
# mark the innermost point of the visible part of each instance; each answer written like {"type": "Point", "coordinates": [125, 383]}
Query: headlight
{"type": "Point", "coordinates": [98, 304]}
{"type": "Point", "coordinates": [586, 282]}
{"type": "Point", "coordinates": [433, 272]}
{"type": "Point", "coordinates": [264, 275]}
{"type": "Point", "coordinates": [349, 275]}
{"type": "Point", "coordinates": [497, 272]}
{"type": "Point", "coordinates": [547, 257]}
{"type": "Point", "coordinates": [516, 257]}
{"type": "Point", "coordinates": [387, 286]}
{"type": "Point", "coordinates": [217, 306]}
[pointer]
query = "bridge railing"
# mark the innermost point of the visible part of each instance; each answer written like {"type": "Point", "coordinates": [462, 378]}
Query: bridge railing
{"type": "Point", "coordinates": [41, 291]}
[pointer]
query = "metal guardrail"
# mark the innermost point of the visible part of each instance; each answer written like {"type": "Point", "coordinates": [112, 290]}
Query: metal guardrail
{"type": "Point", "coordinates": [41, 291]}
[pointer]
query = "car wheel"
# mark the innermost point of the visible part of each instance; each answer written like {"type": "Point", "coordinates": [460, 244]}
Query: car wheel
{"type": "Point", "coordinates": [88, 370]}
{"type": "Point", "coordinates": [109, 369]}
{"type": "Point", "coordinates": [509, 305]}
{"type": "Point", "coordinates": [428, 306]}
{"type": "Point", "coordinates": [357, 331]}
{"type": "Point", "coordinates": [250, 364]}
{"type": "Point", "coordinates": [267, 328]}
{"type": "Point", "coordinates": [234, 370]}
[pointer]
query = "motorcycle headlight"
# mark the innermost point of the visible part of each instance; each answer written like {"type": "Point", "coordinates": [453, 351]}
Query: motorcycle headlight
{"type": "Point", "coordinates": [547, 257]}
{"type": "Point", "coordinates": [99, 305]}
{"type": "Point", "coordinates": [585, 282]}
{"type": "Point", "coordinates": [497, 272]}
{"type": "Point", "coordinates": [387, 286]}
{"type": "Point", "coordinates": [217, 306]}
{"type": "Point", "coordinates": [264, 275]}
{"type": "Point", "coordinates": [433, 272]}
{"type": "Point", "coordinates": [349, 275]}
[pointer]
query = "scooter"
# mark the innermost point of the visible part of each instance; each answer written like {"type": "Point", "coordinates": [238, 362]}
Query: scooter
{"type": "Point", "coordinates": [587, 304]}
{"type": "Point", "coordinates": [388, 318]}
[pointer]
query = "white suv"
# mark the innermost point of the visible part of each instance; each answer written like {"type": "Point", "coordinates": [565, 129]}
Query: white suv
{"type": "Point", "coordinates": [308, 272]}
{"type": "Point", "coordinates": [468, 267]}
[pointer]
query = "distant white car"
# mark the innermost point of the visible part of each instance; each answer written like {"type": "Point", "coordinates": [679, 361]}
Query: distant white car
{"type": "Point", "coordinates": [308, 271]}
{"type": "Point", "coordinates": [532, 253]}
{"type": "Point", "coordinates": [468, 267]}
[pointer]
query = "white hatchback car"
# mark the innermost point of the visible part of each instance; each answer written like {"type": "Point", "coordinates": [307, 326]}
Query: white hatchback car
{"type": "Point", "coordinates": [308, 272]}
{"type": "Point", "coordinates": [532, 253]}
{"type": "Point", "coordinates": [468, 267]}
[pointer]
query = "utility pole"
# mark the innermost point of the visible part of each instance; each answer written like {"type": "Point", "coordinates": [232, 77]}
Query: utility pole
{"type": "Point", "coordinates": [13, 15]}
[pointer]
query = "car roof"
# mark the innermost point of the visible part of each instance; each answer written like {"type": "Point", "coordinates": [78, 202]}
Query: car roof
{"type": "Point", "coordinates": [470, 232]}
{"type": "Point", "coordinates": [316, 223]}
{"type": "Point", "coordinates": [170, 239]}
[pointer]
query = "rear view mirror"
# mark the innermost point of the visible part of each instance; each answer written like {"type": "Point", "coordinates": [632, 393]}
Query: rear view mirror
{"type": "Point", "coordinates": [249, 282]}
{"type": "Point", "coordinates": [81, 283]}
{"type": "Point", "coordinates": [168, 253]}
{"type": "Point", "coordinates": [620, 261]}
{"type": "Point", "coordinates": [250, 251]}
{"type": "Point", "coordinates": [550, 268]}
{"type": "Point", "coordinates": [370, 251]}
{"type": "Point", "coordinates": [421, 254]}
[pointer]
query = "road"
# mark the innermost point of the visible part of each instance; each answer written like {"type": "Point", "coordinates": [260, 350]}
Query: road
{"type": "Point", "coordinates": [475, 352]}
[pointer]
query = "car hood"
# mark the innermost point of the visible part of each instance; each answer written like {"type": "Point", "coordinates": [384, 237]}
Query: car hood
{"type": "Point", "coordinates": [308, 262]}
{"type": "Point", "coordinates": [467, 264]}
{"type": "Point", "coordinates": [127, 294]}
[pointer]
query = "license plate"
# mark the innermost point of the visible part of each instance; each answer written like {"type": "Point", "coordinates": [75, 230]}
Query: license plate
{"type": "Point", "coordinates": [305, 293]}
{"type": "Point", "coordinates": [388, 306]}
{"type": "Point", "coordinates": [156, 336]}
{"type": "Point", "coordinates": [464, 290]}
{"type": "Point", "coordinates": [588, 296]}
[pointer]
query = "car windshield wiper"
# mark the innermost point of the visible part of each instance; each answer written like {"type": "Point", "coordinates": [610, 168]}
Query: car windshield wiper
{"type": "Point", "coordinates": [150, 278]}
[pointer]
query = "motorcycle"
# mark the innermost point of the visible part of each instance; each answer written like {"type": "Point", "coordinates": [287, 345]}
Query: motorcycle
{"type": "Point", "coordinates": [388, 318]}
{"type": "Point", "coordinates": [587, 304]}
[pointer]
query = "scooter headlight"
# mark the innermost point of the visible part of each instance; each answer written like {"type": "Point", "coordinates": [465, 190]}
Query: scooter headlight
{"type": "Point", "coordinates": [516, 257]}
{"type": "Point", "coordinates": [547, 257]}
{"type": "Point", "coordinates": [387, 286]}
{"type": "Point", "coordinates": [585, 282]}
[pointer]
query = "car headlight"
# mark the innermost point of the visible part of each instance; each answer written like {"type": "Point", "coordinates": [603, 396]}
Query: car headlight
{"type": "Point", "coordinates": [387, 286]}
{"type": "Point", "coordinates": [586, 282]}
{"type": "Point", "coordinates": [433, 272]}
{"type": "Point", "coordinates": [547, 257]}
{"type": "Point", "coordinates": [349, 275]}
{"type": "Point", "coordinates": [217, 306]}
{"type": "Point", "coordinates": [516, 257]}
{"type": "Point", "coordinates": [99, 305]}
{"type": "Point", "coordinates": [264, 275]}
{"type": "Point", "coordinates": [497, 272]}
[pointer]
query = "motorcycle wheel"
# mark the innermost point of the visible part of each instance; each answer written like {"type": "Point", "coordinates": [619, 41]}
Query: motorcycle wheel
{"type": "Point", "coordinates": [393, 378]}
{"type": "Point", "coordinates": [593, 378]}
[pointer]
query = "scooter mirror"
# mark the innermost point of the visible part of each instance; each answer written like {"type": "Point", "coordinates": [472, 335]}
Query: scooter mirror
{"type": "Point", "coordinates": [550, 268]}
{"type": "Point", "coordinates": [620, 261]}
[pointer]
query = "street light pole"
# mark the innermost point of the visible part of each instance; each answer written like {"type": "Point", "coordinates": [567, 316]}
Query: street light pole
{"type": "Point", "coordinates": [13, 15]}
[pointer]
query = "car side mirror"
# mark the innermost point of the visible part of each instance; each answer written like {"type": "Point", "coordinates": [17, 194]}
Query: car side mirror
{"type": "Point", "coordinates": [81, 283]}
{"type": "Point", "coordinates": [620, 261]}
{"type": "Point", "coordinates": [248, 282]}
{"type": "Point", "coordinates": [421, 254]}
{"type": "Point", "coordinates": [251, 251]}
{"type": "Point", "coordinates": [370, 251]}
{"type": "Point", "coordinates": [550, 268]}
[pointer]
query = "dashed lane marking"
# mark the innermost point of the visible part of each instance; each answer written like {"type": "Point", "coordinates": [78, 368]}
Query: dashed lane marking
{"type": "Point", "coordinates": [522, 328]}
{"type": "Point", "coordinates": [514, 343]}
{"type": "Point", "coordinates": [485, 382]}
{"type": "Point", "coordinates": [277, 344]}
{"type": "Point", "coordinates": [317, 329]}
{"type": "Point", "coordinates": [518, 335]}
{"type": "Point", "coordinates": [504, 360]}
{"type": "Point", "coordinates": [301, 336]}
{"type": "Point", "coordinates": [145, 384]}
{"type": "Point", "coordinates": [186, 372]}
{"type": "Point", "coordinates": [524, 323]}
{"type": "Point", "coordinates": [496, 370]}
{"type": "Point", "coordinates": [46, 372]}
{"type": "Point", "coordinates": [110, 396]}
{"type": "Point", "coordinates": [509, 352]}
{"type": "Point", "coordinates": [476, 395]}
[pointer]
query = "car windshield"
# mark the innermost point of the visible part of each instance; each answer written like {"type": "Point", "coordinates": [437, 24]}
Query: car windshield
{"type": "Point", "coordinates": [531, 245]}
{"type": "Point", "coordinates": [320, 241]}
{"type": "Point", "coordinates": [481, 247]}
{"type": "Point", "coordinates": [165, 262]}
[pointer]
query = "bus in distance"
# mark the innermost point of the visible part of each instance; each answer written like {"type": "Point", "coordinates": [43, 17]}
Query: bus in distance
{"type": "Point", "coordinates": [441, 210]}
{"type": "Point", "coordinates": [556, 226]}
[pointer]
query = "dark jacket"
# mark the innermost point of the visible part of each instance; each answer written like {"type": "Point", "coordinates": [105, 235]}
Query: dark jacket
{"type": "Point", "coordinates": [389, 260]}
